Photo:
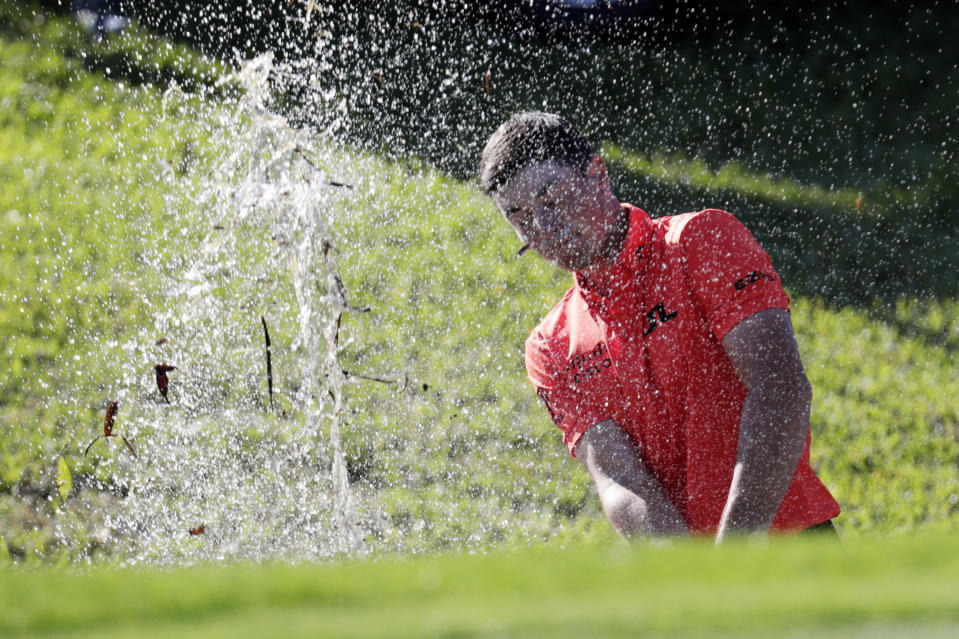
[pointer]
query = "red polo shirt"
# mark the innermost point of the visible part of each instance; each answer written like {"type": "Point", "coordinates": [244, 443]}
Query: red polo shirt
{"type": "Point", "coordinates": [641, 344]}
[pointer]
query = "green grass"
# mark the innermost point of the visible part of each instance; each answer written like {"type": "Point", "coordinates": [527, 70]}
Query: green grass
{"type": "Point", "coordinates": [462, 455]}
{"type": "Point", "coordinates": [787, 588]}
{"type": "Point", "coordinates": [850, 203]}
{"type": "Point", "coordinates": [78, 209]}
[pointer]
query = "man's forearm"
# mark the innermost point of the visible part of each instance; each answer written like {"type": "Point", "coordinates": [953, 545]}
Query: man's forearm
{"type": "Point", "coordinates": [633, 499]}
{"type": "Point", "coordinates": [631, 515]}
{"type": "Point", "coordinates": [772, 434]}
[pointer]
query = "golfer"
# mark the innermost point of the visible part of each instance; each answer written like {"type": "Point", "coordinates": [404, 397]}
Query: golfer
{"type": "Point", "coordinates": [670, 366]}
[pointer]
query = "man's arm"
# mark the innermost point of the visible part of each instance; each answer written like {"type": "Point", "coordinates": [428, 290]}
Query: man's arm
{"type": "Point", "coordinates": [774, 421]}
{"type": "Point", "coordinates": [632, 498]}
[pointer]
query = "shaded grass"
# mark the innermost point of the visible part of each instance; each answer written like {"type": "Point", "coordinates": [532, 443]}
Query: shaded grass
{"type": "Point", "coordinates": [133, 56]}
{"type": "Point", "coordinates": [811, 586]}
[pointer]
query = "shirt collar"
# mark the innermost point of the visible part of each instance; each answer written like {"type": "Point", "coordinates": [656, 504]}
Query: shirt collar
{"type": "Point", "coordinates": [604, 283]}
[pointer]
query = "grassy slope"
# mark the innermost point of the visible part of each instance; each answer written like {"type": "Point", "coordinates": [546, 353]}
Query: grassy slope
{"type": "Point", "coordinates": [463, 455]}
{"type": "Point", "coordinates": [872, 589]}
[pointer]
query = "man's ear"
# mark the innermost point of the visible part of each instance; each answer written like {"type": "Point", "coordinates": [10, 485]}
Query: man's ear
{"type": "Point", "coordinates": [596, 169]}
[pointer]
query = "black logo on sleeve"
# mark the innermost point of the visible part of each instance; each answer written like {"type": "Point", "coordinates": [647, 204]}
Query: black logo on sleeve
{"type": "Point", "coordinates": [656, 316]}
{"type": "Point", "coordinates": [589, 364]}
{"type": "Point", "coordinates": [543, 395]}
{"type": "Point", "coordinates": [752, 278]}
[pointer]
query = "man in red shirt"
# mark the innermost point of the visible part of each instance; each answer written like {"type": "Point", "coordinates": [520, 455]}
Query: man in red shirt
{"type": "Point", "coordinates": [670, 366]}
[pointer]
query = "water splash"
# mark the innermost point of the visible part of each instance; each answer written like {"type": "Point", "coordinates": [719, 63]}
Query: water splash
{"type": "Point", "coordinates": [221, 475]}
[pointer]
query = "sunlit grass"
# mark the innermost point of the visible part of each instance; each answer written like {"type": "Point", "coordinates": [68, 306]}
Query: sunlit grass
{"type": "Point", "coordinates": [870, 200]}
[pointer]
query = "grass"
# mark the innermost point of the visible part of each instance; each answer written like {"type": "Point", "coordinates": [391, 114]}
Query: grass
{"type": "Point", "coordinates": [71, 194]}
{"type": "Point", "coordinates": [874, 589]}
{"type": "Point", "coordinates": [461, 456]}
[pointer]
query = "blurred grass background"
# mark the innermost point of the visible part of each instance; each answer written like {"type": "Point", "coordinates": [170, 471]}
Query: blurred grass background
{"type": "Point", "coordinates": [462, 456]}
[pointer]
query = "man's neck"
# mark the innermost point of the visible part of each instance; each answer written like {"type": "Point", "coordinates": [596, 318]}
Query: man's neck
{"type": "Point", "coordinates": [614, 244]}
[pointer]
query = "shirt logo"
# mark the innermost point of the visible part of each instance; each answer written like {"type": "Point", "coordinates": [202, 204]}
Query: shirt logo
{"type": "Point", "coordinates": [543, 395]}
{"type": "Point", "coordinates": [586, 365]}
{"type": "Point", "coordinates": [752, 278]}
{"type": "Point", "coordinates": [656, 316]}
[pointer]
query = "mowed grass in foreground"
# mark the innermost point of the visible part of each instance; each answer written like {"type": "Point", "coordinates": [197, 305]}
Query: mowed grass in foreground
{"type": "Point", "coordinates": [789, 587]}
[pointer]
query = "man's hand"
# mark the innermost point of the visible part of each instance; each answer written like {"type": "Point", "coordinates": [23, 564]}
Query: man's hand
{"type": "Point", "coordinates": [774, 422]}
{"type": "Point", "coordinates": [633, 499]}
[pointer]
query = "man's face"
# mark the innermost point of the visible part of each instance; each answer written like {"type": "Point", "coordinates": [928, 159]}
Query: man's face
{"type": "Point", "coordinates": [565, 216]}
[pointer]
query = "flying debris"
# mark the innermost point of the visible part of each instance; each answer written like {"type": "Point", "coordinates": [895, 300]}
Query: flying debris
{"type": "Point", "coordinates": [163, 382]}
{"type": "Point", "coordinates": [109, 419]}
{"type": "Point", "coordinates": [269, 361]}
{"type": "Point", "coordinates": [302, 153]}
{"type": "Point", "coordinates": [338, 291]}
{"type": "Point", "coordinates": [108, 423]}
{"type": "Point", "coordinates": [64, 480]}
{"type": "Point", "coordinates": [370, 378]}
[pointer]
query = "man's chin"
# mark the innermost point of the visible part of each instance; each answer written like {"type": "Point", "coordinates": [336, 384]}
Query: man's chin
{"type": "Point", "coordinates": [573, 265]}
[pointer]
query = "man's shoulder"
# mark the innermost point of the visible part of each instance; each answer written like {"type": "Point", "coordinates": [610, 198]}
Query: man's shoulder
{"type": "Point", "coordinates": [554, 323]}
{"type": "Point", "coordinates": [685, 227]}
{"type": "Point", "coordinates": [548, 341]}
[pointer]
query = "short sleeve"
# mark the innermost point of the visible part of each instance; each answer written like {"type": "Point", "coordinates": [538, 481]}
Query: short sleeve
{"type": "Point", "coordinates": [730, 274]}
{"type": "Point", "coordinates": [574, 398]}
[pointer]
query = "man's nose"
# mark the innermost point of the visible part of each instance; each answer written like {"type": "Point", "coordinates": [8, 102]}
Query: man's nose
{"type": "Point", "coordinates": [545, 219]}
